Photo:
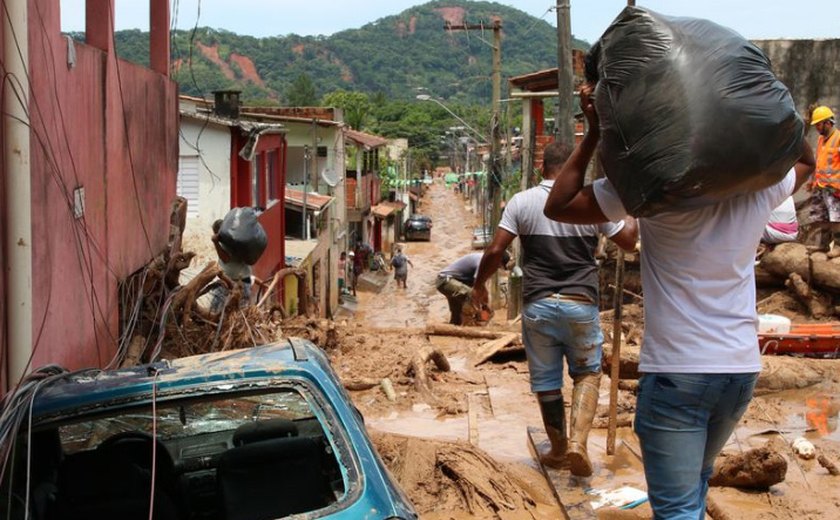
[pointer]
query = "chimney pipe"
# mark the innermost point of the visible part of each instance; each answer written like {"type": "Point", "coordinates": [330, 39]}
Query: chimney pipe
{"type": "Point", "coordinates": [226, 103]}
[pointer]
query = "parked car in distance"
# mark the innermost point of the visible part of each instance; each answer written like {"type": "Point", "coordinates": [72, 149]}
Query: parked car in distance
{"type": "Point", "coordinates": [264, 432]}
{"type": "Point", "coordinates": [481, 237]}
{"type": "Point", "coordinates": [418, 227]}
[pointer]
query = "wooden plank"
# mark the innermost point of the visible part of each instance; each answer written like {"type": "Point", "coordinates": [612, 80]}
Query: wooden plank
{"type": "Point", "coordinates": [490, 348]}
{"type": "Point", "coordinates": [567, 488]}
{"type": "Point", "coordinates": [443, 329]}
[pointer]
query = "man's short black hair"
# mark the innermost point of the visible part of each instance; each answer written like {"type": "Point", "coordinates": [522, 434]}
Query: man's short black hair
{"type": "Point", "coordinates": [555, 155]}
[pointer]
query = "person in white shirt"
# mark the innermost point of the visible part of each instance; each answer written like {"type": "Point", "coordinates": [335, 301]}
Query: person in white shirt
{"type": "Point", "coordinates": [783, 225]}
{"type": "Point", "coordinates": [699, 357]}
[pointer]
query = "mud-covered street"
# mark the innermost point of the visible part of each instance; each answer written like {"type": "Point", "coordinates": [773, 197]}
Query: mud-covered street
{"type": "Point", "coordinates": [420, 303]}
{"type": "Point", "coordinates": [489, 407]}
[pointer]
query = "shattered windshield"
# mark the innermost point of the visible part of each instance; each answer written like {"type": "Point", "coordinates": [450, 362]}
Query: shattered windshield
{"type": "Point", "coordinates": [185, 418]}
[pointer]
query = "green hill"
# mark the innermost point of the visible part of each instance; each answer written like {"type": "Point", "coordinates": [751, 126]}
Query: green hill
{"type": "Point", "coordinates": [391, 56]}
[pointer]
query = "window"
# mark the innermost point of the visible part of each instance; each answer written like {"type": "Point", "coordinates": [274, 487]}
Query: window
{"type": "Point", "coordinates": [239, 443]}
{"type": "Point", "coordinates": [272, 177]}
{"type": "Point", "coordinates": [316, 280]}
{"type": "Point", "coordinates": [257, 172]}
{"type": "Point", "coordinates": [188, 183]}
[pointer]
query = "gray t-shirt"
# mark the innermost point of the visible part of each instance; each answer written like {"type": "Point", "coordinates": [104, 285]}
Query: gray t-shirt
{"type": "Point", "coordinates": [463, 269]}
{"type": "Point", "coordinates": [558, 257]}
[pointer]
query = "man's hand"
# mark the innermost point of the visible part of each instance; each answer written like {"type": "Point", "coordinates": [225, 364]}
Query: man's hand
{"type": "Point", "coordinates": [480, 297]}
{"type": "Point", "coordinates": [588, 106]}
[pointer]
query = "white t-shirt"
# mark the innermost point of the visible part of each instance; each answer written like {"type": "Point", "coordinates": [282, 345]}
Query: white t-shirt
{"type": "Point", "coordinates": [782, 226]}
{"type": "Point", "coordinates": [698, 276]}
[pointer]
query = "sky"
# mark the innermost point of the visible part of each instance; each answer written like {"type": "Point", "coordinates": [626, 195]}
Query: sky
{"type": "Point", "coordinates": [754, 19]}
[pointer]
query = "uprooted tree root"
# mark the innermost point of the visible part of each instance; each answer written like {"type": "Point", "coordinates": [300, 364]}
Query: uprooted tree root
{"type": "Point", "coordinates": [173, 322]}
{"type": "Point", "coordinates": [457, 476]}
{"type": "Point", "coordinates": [160, 316]}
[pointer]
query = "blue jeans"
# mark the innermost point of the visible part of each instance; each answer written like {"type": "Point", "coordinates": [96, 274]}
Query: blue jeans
{"type": "Point", "coordinates": [554, 328]}
{"type": "Point", "coordinates": [683, 421]}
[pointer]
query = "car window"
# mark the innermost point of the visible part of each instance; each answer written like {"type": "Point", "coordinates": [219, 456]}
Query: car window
{"type": "Point", "coordinates": [183, 418]}
{"type": "Point", "coordinates": [269, 453]}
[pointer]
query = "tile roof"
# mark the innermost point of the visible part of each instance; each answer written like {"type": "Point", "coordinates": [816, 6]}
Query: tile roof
{"type": "Point", "coordinates": [314, 201]}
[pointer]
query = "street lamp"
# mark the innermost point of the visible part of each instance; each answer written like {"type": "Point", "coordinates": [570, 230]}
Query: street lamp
{"type": "Point", "coordinates": [426, 97]}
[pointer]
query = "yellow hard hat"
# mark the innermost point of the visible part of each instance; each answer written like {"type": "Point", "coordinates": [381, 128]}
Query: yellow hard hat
{"type": "Point", "coordinates": [821, 114]}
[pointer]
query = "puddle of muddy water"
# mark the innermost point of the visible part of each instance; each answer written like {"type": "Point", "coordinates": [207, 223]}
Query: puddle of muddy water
{"type": "Point", "coordinates": [422, 422]}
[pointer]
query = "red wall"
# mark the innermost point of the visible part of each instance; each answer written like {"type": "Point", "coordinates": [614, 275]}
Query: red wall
{"type": "Point", "coordinates": [111, 127]}
{"type": "Point", "coordinates": [273, 219]}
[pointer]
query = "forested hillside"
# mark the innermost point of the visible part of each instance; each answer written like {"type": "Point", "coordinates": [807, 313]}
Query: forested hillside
{"type": "Point", "coordinates": [392, 56]}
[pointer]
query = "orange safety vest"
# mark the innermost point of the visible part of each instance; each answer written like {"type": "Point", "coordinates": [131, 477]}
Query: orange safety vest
{"type": "Point", "coordinates": [827, 174]}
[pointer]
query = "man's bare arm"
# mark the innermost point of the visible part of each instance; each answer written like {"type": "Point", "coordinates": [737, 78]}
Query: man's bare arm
{"type": "Point", "coordinates": [805, 166]}
{"type": "Point", "coordinates": [569, 200]}
{"type": "Point", "coordinates": [490, 263]}
{"type": "Point", "coordinates": [626, 238]}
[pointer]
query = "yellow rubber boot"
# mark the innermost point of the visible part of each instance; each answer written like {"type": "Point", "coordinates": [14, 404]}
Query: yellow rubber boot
{"type": "Point", "coordinates": [584, 405]}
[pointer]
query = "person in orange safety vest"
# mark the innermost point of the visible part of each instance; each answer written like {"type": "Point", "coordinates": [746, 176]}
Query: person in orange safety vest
{"type": "Point", "coordinates": [824, 202]}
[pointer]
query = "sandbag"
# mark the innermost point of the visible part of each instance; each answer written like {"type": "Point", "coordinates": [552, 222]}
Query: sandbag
{"type": "Point", "coordinates": [690, 113]}
{"type": "Point", "coordinates": [242, 236]}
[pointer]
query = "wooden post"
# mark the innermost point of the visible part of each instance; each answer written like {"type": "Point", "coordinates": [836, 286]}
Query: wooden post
{"type": "Point", "coordinates": [616, 349]}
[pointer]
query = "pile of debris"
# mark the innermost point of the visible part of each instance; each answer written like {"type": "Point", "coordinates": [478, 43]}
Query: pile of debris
{"type": "Point", "coordinates": [160, 316]}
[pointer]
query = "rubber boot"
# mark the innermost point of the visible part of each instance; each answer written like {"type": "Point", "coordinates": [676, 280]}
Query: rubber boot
{"type": "Point", "coordinates": [554, 418]}
{"type": "Point", "coordinates": [584, 404]}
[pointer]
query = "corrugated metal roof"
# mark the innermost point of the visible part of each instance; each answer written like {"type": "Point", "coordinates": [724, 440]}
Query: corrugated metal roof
{"type": "Point", "coordinates": [366, 140]}
{"type": "Point", "coordinates": [314, 201]}
{"type": "Point", "coordinates": [547, 79]}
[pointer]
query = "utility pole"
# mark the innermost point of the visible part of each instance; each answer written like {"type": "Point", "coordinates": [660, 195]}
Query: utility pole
{"type": "Point", "coordinates": [306, 158]}
{"type": "Point", "coordinates": [494, 183]}
{"type": "Point", "coordinates": [564, 130]}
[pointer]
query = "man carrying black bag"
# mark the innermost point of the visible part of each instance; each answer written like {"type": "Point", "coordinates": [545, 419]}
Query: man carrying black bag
{"type": "Point", "coordinates": [699, 357]}
{"type": "Point", "coordinates": [239, 240]}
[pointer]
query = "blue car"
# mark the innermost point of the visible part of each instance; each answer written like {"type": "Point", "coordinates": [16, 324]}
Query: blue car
{"type": "Point", "coordinates": [254, 434]}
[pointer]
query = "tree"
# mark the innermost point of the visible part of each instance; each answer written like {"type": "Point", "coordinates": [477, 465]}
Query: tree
{"type": "Point", "coordinates": [302, 92]}
{"type": "Point", "coordinates": [356, 106]}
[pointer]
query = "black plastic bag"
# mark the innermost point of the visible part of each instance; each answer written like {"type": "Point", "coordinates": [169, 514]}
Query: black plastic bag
{"type": "Point", "coordinates": [242, 236]}
{"type": "Point", "coordinates": [690, 113]}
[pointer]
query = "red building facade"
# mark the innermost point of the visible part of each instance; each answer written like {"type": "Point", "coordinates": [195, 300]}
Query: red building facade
{"type": "Point", "coordinates": [103, 161]}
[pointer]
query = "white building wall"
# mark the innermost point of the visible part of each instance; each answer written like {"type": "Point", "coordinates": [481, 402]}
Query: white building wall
{"type": "Point", "coordinates": [212, 143]}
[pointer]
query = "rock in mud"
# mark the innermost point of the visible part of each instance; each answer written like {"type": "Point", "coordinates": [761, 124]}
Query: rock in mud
{"type": "Point", "coordinates": [754, 469]}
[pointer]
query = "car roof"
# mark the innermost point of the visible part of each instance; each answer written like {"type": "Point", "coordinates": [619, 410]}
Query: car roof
{"type": "Point", "coordinates": [419, 217]}
{"type": "Point", "coordinates": [294, 358]}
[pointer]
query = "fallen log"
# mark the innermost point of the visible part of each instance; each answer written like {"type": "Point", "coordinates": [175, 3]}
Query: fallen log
{"type": "Point", "coordinates": [818, 305]}
{"type": "Point", "coordinates": [417, 367]}
{"type": "Point", "coordinates": [490, 348]}
{"type": "Point", "coordinates": [828, 465]}
{"type": "Point", "coordinates": [441, 329]}
{"type": "Point", "coordinates": [357, 385]}
{"type": "Point", "coordinates": [759, 468]}
{"type": "Point", "coordinates": [791, 257]}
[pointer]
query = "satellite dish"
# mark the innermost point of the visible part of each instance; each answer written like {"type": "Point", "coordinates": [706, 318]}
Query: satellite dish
{"type": "Point", "coordinates": [330, 177]}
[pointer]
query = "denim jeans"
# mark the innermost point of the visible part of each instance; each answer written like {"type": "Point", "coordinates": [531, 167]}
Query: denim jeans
{"type": "Point", "coordinates": [554, 328]}
{"type": "Point", "coordinates": [683, 421]}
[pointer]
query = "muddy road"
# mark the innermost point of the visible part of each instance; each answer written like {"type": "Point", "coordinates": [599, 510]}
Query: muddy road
{"type": "Point", "coordinates": [489, 407]}
{"type": "Point", "coordinates": [420, 303]}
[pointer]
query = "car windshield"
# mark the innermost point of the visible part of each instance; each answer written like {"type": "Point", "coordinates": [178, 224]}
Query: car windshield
{"type": "Point", "coordinates": [184, 419]}
{"type": "Point", "coordinates": [267, 452]}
